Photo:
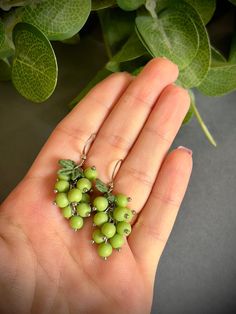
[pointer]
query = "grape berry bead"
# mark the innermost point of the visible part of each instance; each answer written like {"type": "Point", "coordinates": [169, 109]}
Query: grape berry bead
{"type": "Point", "coordinates": [67, 212]}
{"type": "Point", "coordinates": [121, 200]}
{"type": "Point", "coordinates": [61, 200]}
{"type": "Point", "coordinates": [76, 222]}
{"type": "Point", "coordinates": [91, 173]}
{"type": "Point", "coordinates": [84, 185]}
{"type": "Point", "coordinates": [120, 213]}
{"type": "Point", "coordinates": [104, 250]}
{"type": "Point", "coordinates": [117, 241]}
{"type": "Point", "coordinates": [100, 203]}
{"type": "Point", "coordinates": [63, 177]}
{"type": "Point", "coordinates": [61, 186]}
{"type": "Point", "coordinates": [85, 198]}
{"type": "Point", "coordinates": [83, 209]}
{"type": "Point", "coordinates": [98, 237]}
{"type": "Point", "coordinates": [123, 228]}
{"type": "Point", "coordinates": [100, 218]}
{"type": "Point", "coordinates": [108, 229]}
{"type": "Point", "coordinates": [74, 195]}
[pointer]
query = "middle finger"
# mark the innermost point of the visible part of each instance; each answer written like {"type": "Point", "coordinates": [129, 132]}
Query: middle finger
{"type": "Point", "coordinates": [121, 128]}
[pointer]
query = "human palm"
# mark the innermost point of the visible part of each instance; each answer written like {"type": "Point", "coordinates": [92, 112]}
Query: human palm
{"type": "Point", "coordinates": [45, 267]}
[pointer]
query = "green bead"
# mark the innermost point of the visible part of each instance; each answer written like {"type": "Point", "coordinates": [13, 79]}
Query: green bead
{"type": "Point", "coordinates": [104, 249]}
{"type": "Point", "coordinates": [83, 209]}
{"type": "Point", "coordinates": [119, 213]}
{"type": "Point", "coordinates": [74, 195]}
{"type": "Point", "coordinates": [121, 200]}
{"type": "Point", "coordinates": [61, 200]}
{"type": "Point", "coordinates": [117, 241]}
{"type": "Point", "coordinates": [100, 218]}
{"type": "Point", "coordinates": [123, 228]}
{"type": "Point", "coordinates": [91, 173]}
{"type": "Point", "coordinates": [108, 229]}
{"type": "Point", "coordinates": [67, 212]}
{"type": "Point", "coordinates": [85, 198]}
{"type": "Point", "coordinates": [128, 215]}
{"type": "Point", "coordinates": [100, 203]}
{"type": "Point", "coordinates": [65, 177]}
{"type": "Point", "coordinates": [76, 222]}
{"type": "Point", "coordinates": [98, 237]}
{"type": "Point", "coordinates": [62, 186]}
{"type": "Point", "coordinates": [84, 185]}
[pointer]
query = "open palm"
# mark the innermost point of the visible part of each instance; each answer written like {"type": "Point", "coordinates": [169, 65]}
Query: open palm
{"type": "Point", "coordinates": [45, 267]}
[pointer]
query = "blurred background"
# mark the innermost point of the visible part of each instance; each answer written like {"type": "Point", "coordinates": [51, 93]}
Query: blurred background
{"type": "Point", "coordinates": [197, 272]}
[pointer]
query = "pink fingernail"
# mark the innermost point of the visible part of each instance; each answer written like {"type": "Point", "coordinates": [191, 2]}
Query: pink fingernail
{"type": "Point", "coordinates": [189, 151]}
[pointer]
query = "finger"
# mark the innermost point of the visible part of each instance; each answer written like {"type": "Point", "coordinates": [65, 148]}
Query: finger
{"type": "Point", "coordinates": [146, 156]}
{"type": "Point", "coordinates": [125, 121]}
{"type": "Point", "coordinates": [70, 135]}
{"type": "Point", "coordinates": [154, 224]}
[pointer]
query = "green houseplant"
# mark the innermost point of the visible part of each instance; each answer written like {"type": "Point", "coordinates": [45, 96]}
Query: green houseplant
{"type": "Point", "coordinates": [134, 31]}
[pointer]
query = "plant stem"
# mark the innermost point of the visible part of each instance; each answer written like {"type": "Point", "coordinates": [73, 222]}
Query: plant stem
{"type": "Point", "coordinates": [203, 125]}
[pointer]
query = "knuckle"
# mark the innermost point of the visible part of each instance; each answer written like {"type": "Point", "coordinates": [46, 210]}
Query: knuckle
{"type": "Point", "coordinates": [166, 199]}
{"type": "Point", "coordinates": [152, 231]}
{"type": "Point", "coordinates": [116, 141]}
{"type": "Point", "coordinates": [139, 176]}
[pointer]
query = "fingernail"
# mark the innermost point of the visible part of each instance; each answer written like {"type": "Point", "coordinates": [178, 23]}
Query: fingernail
{"type": "Point", "coordinates": [189, 151]}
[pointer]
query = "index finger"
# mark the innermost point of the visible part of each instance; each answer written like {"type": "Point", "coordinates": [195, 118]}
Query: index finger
{"type": "Point", "coordinates": [69, 137]}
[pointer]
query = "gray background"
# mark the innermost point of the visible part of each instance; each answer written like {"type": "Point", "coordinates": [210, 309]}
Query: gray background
{"type": "Point", "coordinates": [197, 272]}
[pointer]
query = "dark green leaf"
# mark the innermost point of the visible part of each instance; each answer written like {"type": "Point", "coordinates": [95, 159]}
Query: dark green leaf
{"type": "Point", "coordinates": [58, 19]}
{"type": "Point", "coordinates": [67, 163]}
{"type": "Point", "coordinates": [5, 70]}
{"type": "Point", "coordinates": [65, 171]}
{"type": "Point", "coordinates": [195, 72]}
{"type": "Point", "coordinates": [216, 56]}
{"type": "Point", "coordinates": [102, 4]}
{"type": "Point", "coordinates": [101, 186]}
{"type": "Point", "coordinates": [172, 35]}
{"type": "Point", "coordinates": [205, 8]}
{"type": "Point", "coordinates": [34, 68]}
{"type": "Point", "coordinates": [117, 25]}
{"type": "Point", "coordinates": [8, 4]}
{"type": "Point", "coordinates": [233, 1]}
{"type": "Point", "coordinates": [111, 198]}
{"type": "Point", "coordinates": [97, 78]}
{"type": "Point", "coordinates": [77, 173]}
{"type": "Point", "coordinates": [130, 5]}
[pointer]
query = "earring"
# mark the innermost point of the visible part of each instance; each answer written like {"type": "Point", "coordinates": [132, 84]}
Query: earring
{"type": "Point", "coordinates": [112, 217]}
{"type": "Point", "coordinates": [74, 187]}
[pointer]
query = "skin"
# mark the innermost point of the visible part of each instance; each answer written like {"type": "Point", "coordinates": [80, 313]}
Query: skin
{"type": "Point", "coordinates": [45, 267]}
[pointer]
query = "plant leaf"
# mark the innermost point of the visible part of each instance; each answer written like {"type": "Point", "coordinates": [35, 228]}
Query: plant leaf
{"type": "Point", "coordinates": [233, 1]}
{"type": "Point", "coordinates": [190, 112]}
{"type": "Point", "coordinates": [130, 5]}
{"type": "Point", "coordinates": [117, 25]}
{"type": "Point", "coordinates": [132, 49]}
{"type": "Point", "coordinates": [103, 73]}
{"type": "Point", "coordinates": [205, 8]}
{"type": "Point", "coordinates": [232, 54]}
{"type": "Point", "coordinates": [58, 19]}
{"type": "Point", "coordinates": [67, 163]}
{"type": "Point", "coordinates": [195, 72]}
{"type": "Point", "coordinates": [110, 198]}
{"type": "Point", "coordinates": [8, 4]}
{"type": "Point", "coordinates": [216, 56]}
{"type": "Point", "coordinates": [65, 171]}
{"type": "Point", "coordinates": [102, 4]}
{"type": "Point", "coordinates": [101, 186]}
{"type": "Point", "coordinates": [34, 68]}
{"type": "Point", "coordinates": [2, 34]}
{"type": "Point", "coordinates": [5, 70]}
{"type": "Point", "coordinates": [172, 35]}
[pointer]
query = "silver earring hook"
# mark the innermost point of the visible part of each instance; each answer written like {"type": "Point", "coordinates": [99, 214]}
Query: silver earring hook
{"type": "Point", "coordinates": [114, 172]}
{"type": "Point", "coordinates": [86, 148]}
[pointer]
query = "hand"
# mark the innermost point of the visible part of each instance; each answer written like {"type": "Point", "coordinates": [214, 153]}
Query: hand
{"type": "Point", "coordinates": [45, 267]}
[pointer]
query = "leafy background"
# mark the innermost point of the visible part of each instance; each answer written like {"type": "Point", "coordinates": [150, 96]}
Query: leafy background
{"type": "Point", "coordinates": [133, 31]}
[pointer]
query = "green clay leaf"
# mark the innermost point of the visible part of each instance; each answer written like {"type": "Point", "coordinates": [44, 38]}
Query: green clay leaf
{"type": "Point", "coordinates": [102, 74]}
{"type": "Point", "coordinates": [77, 173]}
{"type": "Point", "coordinates": [102, 4]}
{"type": "Point", "coordinates": [172, 35]}
{"type": "Point", "coordinates": [131, 50]}
{"type": "Point", "coordinates": [110, 198]}
{"type": "Point", "coordinates": [5, 70]}
{"type": "Point", "coordinates": [195, 72]}
{"type": "Point", "coordinates": [117, 25]}
{"type": "Point", "coordinates": [101, 186]}
{"type": "Point", "coordinates": [65, 171]}
{"type": "Point", "coordinates": [130, 5]}
{"type": "Point", "coordinates": [205, 8]}
{"type": "Point", "coordinates": [34, 68]}
{"type": "Point", "coordinates": [67, 163]}
{"type": "Point", "coordinates": [58, 19]}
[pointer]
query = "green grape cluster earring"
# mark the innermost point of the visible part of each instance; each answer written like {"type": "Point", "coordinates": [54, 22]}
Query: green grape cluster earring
{"type": "Point", "coordinates": [75, 189]}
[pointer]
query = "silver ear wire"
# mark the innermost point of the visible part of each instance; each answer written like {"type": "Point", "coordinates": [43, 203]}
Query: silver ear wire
{"type": "Point", "coordinates": [114, 172]}
{"type": "Point", "coordinates": [86, 148]}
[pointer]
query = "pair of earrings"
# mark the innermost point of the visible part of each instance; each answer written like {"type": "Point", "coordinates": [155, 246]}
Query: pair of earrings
{"type": "Point", "coordinates": [76, 195]}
